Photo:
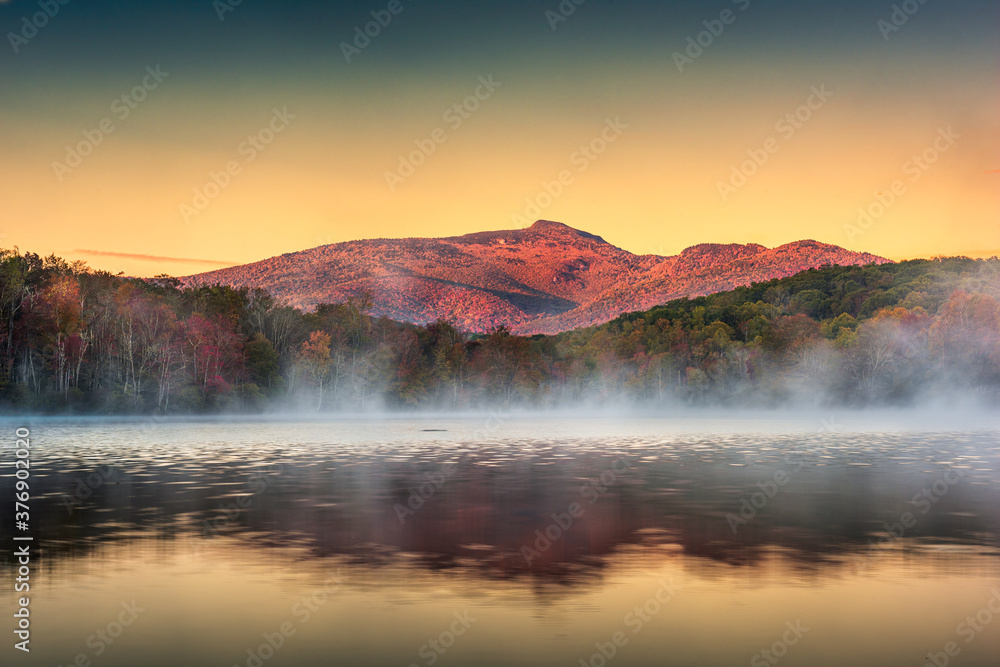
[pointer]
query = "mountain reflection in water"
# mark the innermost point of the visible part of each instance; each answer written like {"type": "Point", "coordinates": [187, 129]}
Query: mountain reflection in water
{"type": "Point", "coordinates": [567, 521]}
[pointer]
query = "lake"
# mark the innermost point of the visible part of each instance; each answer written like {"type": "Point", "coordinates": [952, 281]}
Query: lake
{"type": "Point", "coordinates": [507, 540]}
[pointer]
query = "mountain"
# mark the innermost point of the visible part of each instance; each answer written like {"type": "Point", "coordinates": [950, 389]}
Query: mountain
{"type": "Point", "coordinates": [544, 279]}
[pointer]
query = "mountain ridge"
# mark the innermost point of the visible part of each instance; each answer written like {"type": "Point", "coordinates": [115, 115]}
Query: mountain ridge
{"type": "Point", "coordinates": [545, 278]}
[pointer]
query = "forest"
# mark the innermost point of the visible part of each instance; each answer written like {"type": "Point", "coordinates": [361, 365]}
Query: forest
{"type": "Point", "coordinates": [78, 341]}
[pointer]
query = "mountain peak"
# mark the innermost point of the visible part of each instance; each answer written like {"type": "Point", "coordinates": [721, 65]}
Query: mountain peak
{"type": "Point", "coordinates": [553, 227]}
{"type": "Point", "coordinates": [549, 225]}
{"type": "Point", "coordinates": [544, 278]}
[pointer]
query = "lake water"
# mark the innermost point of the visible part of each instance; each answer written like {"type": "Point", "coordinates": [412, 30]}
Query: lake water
{"type": "Point", "coordinates": [500, 540]}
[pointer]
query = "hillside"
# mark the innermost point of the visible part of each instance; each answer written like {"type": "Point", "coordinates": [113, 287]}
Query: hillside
{"type": "Point", "coordinates": [83, 341]}
{"type": "Point", "coordinates": [544, 279]}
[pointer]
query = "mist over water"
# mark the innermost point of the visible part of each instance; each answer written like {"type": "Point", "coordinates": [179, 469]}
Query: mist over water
{"type": "Point", "coordinates": [547, 529]}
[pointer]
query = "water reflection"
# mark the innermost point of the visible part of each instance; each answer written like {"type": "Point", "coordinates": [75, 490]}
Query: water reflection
{"type": "Point", "coordinates": [549, 537]}
{"type": "Point", "coordinates": [525, 506]}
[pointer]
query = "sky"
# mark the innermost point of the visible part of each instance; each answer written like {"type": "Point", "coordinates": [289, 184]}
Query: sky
{"type": "Point", "coordinates": [180, 137]}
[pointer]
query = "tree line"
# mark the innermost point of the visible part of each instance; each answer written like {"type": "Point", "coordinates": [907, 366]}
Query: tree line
{"type": "Point", "coordinates": [76, 340]}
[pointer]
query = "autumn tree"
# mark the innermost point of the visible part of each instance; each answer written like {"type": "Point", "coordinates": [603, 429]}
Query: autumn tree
{"type": "Point", "coordinates": [215, 354]}
{"type": "Point", "coordinates": [315, 361]}
{"type": "Point", "coordinates": [508, 364]}
{"type": "Point", "coordinates": [62, 330]}
{"type": "Point", "coordinates": [965, 339]}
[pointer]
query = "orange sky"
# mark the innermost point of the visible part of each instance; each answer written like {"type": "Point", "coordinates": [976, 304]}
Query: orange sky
{"type": "Point", "coordinates": [654, 189]}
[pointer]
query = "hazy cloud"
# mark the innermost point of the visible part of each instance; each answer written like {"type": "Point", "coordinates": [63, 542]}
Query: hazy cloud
{"type": "Point", "coordinates": [154, 258]}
